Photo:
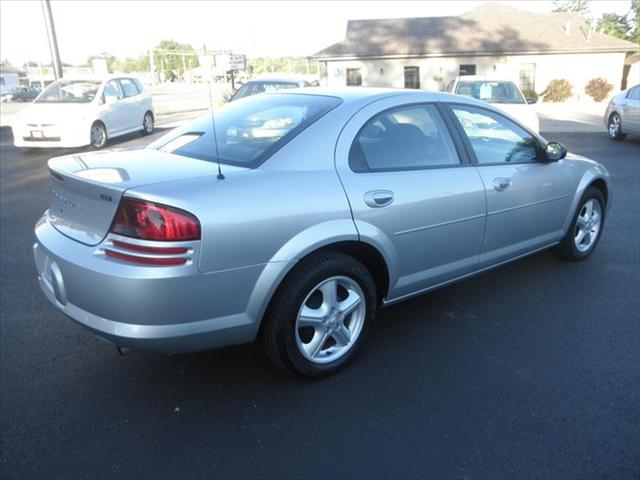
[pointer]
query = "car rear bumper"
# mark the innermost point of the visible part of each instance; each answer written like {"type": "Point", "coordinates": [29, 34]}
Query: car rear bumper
{"type": "Point", "coordinates": [165, 309]}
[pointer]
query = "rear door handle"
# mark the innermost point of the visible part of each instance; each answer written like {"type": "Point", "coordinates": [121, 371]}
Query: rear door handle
{"type": "Point", "coordinates": [378, 198]}
{"type": "Point", "coordinates": [500, 184]}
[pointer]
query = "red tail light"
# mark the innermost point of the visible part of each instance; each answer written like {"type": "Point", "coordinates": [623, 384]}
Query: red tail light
{"type": "Point", "coordinates": [152, 221]}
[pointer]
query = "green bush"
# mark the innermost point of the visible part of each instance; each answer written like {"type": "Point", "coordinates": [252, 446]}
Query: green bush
{"type": "Point", "coordinates": [528, 94]}
{"type": "Point", "coordinates": [558, 90]}
{"type": "Point", "coordinates": [598, 89]}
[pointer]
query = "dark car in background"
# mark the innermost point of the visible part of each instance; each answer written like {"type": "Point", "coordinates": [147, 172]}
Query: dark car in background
{"type": "Point", "coordinates": [26, 94]}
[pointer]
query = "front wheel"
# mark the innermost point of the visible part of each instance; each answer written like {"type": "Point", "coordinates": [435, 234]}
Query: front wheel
{"type": "Point", "coordinates": [147, 124]}
{"type": "Point", "coordinates": [320, 316]}
{"type": "Point", "coordinates": [98, 137]}
{"type": "Point", "coordinates": [584, 233]}
{"type": "Point", "coordinates": [615, 127]}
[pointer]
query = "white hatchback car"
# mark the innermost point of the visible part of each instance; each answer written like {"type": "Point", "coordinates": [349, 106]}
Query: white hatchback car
{"type": "Point", "coordinates": [503, 94]}
{"type": "Point", "coordinates": [76, 113]}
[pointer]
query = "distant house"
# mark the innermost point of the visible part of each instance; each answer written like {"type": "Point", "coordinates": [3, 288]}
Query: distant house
{"type": "Point", "coordinates": [494, 39]}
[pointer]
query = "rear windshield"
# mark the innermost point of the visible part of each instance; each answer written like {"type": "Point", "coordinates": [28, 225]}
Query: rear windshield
{"type": "Point", "coordinates": [491, 92]}
{"type": "Point", "coordinates": [247, 131]}
{"type": "Point", "coordinates": [254, 88]}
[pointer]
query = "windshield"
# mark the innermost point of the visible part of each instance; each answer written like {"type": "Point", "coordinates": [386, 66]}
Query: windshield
{"type": "Point", "coordinates": [70, 91]}
{"type": "Point", "coordinates": [247, 131]}
{"type": "Point", "coordinates": [491, 92]}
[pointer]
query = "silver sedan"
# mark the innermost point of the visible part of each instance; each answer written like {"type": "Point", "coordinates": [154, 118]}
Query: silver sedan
{"type": "Point", "coordinates": [622, 116]}
{"type": "Point", "coordinates": [290, 218]}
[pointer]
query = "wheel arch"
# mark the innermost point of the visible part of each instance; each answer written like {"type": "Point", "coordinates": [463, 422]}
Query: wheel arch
{"type": "Point", "coordinates": [596, 176]}
{"type": "Point", "coordinates": [276, 272]}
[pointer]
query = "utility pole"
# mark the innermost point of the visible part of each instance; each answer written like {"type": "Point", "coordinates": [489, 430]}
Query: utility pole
{"type": "Point", "coordinates": [53, 41]}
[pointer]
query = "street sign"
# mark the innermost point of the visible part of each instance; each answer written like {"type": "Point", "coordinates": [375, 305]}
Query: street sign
{"type": "Point", "coordinates": [230, 62]}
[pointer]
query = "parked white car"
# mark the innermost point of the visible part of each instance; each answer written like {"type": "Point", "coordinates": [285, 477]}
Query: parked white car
{"type": "Point", "coordinates": [503, 94]}
{"type": "Point", "coordinates": [76, 113]}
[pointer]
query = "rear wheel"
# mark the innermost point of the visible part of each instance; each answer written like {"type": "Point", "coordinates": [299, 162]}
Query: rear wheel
{"type": "Point", "coordinates": [320, 316]}
{"type": "Point", "coordinates": [147, 123]}
{"type": "Point", "coordinates": [98, 137]}
{"type": "Point", "coordinates": [585, 230]}
{"type": "Point", "coordinates": [615, 127]}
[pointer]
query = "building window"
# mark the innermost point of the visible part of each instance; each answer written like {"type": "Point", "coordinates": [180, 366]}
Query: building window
{"type": "Point", "coordinates": [528, 76]}
{"type": "Point", "coordinates": [411, 77]}
{"type": "Point", "coordinates": [467, 70]}
{"type": "Point", "coordinates": [354, 77]}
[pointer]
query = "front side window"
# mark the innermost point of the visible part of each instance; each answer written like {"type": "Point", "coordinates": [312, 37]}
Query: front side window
{"type": "Point", "coordinates": [494, 138]}
{"type": "Point", "coordinates": [247, 132]}
{"type": "Point", "coordinates": [411, 77]}
{"type": "Point", "coordinates": [354, 77]}
{"type": "Point", "coordinates": [491, 92]}
{"type": "Point", "coordinates": [70, 91]}
{"type": "Point", "coordinates": [129, 88]}
{"type": "Point", "coordinates": [634, 93]}
{"type": "Point", "coordinates": [112, 91]}
{"type": "Point", "coordinates": [408, 138]}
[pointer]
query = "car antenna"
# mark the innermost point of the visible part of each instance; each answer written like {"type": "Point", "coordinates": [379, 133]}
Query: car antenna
{"type": "Point", "coordinates": [215, 137]}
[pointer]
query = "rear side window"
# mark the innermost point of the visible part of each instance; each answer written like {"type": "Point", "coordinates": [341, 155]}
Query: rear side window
{"type": "Point", "coordinates": [129, 87]}
{"type": "Point", "coordinates": [405, 138]}
{"type": "Point", "coordinates": [247, 132]}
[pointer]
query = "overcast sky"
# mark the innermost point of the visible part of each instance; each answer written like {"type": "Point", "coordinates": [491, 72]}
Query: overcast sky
{"type": "Point", "coordinates": [255, 28]}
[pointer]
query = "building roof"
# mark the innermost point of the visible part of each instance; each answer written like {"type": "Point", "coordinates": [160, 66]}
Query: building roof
{"type": "Point", "coordinates": [492, 28]}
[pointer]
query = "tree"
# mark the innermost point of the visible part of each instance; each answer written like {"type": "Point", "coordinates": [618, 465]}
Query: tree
{"type": "Point", "coordinates": [292, 65]}
{"type": "Point", "coordinates": [614, 25]}
{"type": "Point", "coordinates": [168, 62]}
{"type": "Point", "coordinates": [579, 6]}
{"type": "Point", "coordinates": [130, 65]}
{"type": "Point", "coordinates": [634, 13]}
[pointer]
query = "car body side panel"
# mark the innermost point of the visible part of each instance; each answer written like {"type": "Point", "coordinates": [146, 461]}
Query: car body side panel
{"type": "Point", "coordinates": [531, 212]}
{"type": "Point", "coordinates": [435, 224]}
{"type": "Point", "coordinates": [248, 217]}
{"type": "Point", "coordinates": [587, 172]}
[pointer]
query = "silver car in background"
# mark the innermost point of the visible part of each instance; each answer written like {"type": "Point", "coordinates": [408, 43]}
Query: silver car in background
{"type": "Point", "coordinates": [301, 215]}
{"type": "Point", "coordinates": [622, 116]}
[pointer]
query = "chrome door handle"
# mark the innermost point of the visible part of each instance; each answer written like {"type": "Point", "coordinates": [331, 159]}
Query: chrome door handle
{"type": "Point", "coordinates": [378, 198]}
{"type": "Point", "coordinates": [500, 184]}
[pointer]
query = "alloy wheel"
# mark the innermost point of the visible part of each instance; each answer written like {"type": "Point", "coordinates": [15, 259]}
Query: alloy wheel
{"type": "Point", "coordinates": [98, 136]}
{"type": "Point", "coordinates": [588, 225]}
{"type": "Point", "coordinates": [147, 123]}
{"type": "Point", "coordinates": [330, 319]}
{"type": "Point", "coordinates": [614, 126]}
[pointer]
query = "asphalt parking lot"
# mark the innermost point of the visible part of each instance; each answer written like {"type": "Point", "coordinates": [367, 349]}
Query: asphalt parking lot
{"type": "Point", "coordinates": [528, 371]}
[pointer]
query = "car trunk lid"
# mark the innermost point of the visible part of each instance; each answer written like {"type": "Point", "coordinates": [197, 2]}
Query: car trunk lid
{"type": "Point", "coordinates": [87, 187]}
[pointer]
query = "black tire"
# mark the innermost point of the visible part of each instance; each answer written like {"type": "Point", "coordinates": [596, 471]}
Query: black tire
{"type": "Point", "coordinates": [278, 332]}
{"type": "Point", "coordinates": [96, 140]}
{"type": "Point", "coordinates": [147, 123]}
{"type": "Point", "coordinates": [614, 127]}
{"type": "Point", "coordinates": [567, 248]}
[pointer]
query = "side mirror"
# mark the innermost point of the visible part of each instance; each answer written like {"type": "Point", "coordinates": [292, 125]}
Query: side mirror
{"type": "Point", "coordinates": [555, 151]}
{"type": "Point", "coordinates": [110, 100]}
{"type": "Point", "coordinates": [531, 100]}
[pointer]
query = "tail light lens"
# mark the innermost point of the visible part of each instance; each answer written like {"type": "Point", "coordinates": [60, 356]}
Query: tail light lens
{"type": "Point", "coordinates": [152, 221]}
